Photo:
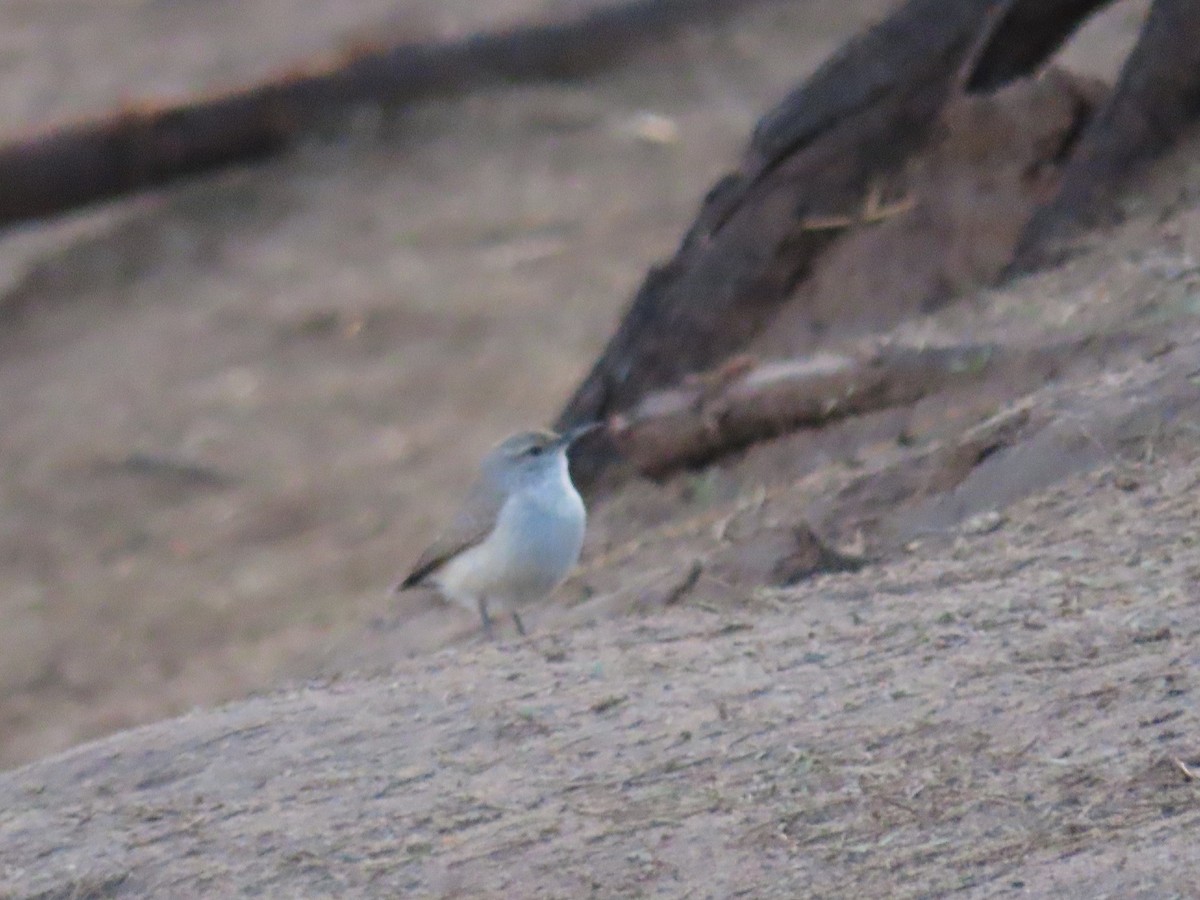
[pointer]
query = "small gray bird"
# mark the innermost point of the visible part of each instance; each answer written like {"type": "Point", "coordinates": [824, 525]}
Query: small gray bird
{"type": "Point", "coordinates": [518, 533]}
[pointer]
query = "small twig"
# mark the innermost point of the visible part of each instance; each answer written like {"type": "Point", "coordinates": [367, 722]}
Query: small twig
{"type": "Point", "coordinates": [874, 210]}
{"type": "Point", "coordinates": [1188, 772]}
{"type": "Point", "coordinates": [688, 582]}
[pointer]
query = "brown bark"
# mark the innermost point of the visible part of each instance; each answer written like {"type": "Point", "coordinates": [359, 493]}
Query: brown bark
{"type": "Point", "coordinates": [854, 121]}
{"type": "Point", "coordinates": [145, 146]}
{"type": "Point", "coordinates": [747, 401]}
{"type": "Point", "coordinates": [1023, 33]}
{"type": "Point", "coordinates": [842, 136]}
{"type": "Point", "coordinates": [836, 141]}
{"type": "Point", "coordinates": [1157, 98]}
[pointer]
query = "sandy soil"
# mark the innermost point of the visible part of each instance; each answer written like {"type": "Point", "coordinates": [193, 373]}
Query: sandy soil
{"type": "Point", "coordinates": [1008, 714]}
{"type": "Point", "coordinates": [237, 408]}
{"type": "Point", "coordinates": [233, 411]}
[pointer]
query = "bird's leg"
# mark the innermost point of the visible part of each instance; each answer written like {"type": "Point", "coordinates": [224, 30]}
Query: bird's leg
{"type": "Point", "coordinates": [488, 631]}
{"type": "Point", "coordinates": [517, 621]}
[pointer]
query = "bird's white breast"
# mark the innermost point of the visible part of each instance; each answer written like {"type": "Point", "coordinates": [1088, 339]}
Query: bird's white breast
{"type": "Point", "coordinates": [536, 540]}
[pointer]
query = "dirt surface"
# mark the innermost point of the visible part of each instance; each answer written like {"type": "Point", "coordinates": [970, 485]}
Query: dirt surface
{"type": "Point", "coordinates": [1010, 713]}
{"type": "Point", "coordinates": [233, 411]}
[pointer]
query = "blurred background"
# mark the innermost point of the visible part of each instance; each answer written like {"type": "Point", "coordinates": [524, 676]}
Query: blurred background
{"type": "Point", "coordinates": [233, 410]}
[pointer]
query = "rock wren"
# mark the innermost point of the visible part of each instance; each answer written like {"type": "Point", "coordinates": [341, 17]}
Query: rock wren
{"type": "Point", "coordinates": [518, 533]}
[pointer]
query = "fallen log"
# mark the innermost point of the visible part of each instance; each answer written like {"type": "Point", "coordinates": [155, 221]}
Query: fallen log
{"type": "Point", "coordinates": [1155, 101]}
{"type": "Point", "coordinates": [147, 145]}
{"type": "Point", "coordinates": [747, 401]}
{"type": "Point", "coordinates": [819, 153]}
{"type": "Point", "coordinates": [841, 139]}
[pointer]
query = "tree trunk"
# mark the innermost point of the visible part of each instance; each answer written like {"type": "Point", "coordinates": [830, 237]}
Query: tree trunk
{"type": "Point", "coordinates": [856, 121]}
{"type": "Point", "coordinates": [831, 147]}
{"type": "Point", "coordinates": [1155, 100]}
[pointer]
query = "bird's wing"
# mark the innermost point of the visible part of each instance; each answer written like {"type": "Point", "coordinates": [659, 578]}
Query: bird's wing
{"type": "Point", "coordinates": [472, 524]}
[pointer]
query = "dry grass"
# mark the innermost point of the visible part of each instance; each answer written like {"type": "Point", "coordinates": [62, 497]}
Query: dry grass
{"type": "Point", "coordinates": [978, 718]}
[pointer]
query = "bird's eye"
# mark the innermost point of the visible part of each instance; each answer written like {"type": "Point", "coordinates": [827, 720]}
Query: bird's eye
{"type": "Point", "coordinates": [535, 450]}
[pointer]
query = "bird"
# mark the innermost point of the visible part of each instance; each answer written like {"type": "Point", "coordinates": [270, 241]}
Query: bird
{"type": "Point", "coordinates": [518, 533]}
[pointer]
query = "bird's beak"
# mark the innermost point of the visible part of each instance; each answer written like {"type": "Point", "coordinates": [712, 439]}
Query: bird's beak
{"type": "Point", "coordinates": [575, 434]}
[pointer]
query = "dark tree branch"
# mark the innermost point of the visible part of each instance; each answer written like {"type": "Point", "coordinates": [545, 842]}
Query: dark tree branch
{"type": "Point", "coordinates": [146, 146]}
{"type": "Point", "coordinates": [1156, 99]}
{"type": "Point", "coordinates": [714, 414]}
{"type": "Point", "coordinates": [1025, 34]}
{"type": "Point", "coordinates": [834, 141]}
{"type": "Point", "coordinates": [857, 119]}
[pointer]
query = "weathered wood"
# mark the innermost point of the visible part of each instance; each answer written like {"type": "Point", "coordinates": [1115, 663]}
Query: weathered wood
{"type": "Point", "coordinates": [148, 145]}
{"type": "Point", "coordinates": [826, 148]}
{"type": "Point", "coordinates": [1156, 99]}
{"type": "Point", "coordinates": [1022, 35]}
{"type": "Point", "coordinates": [748, 401]}
{"type": "Point", "coordinates": [857, 119]}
